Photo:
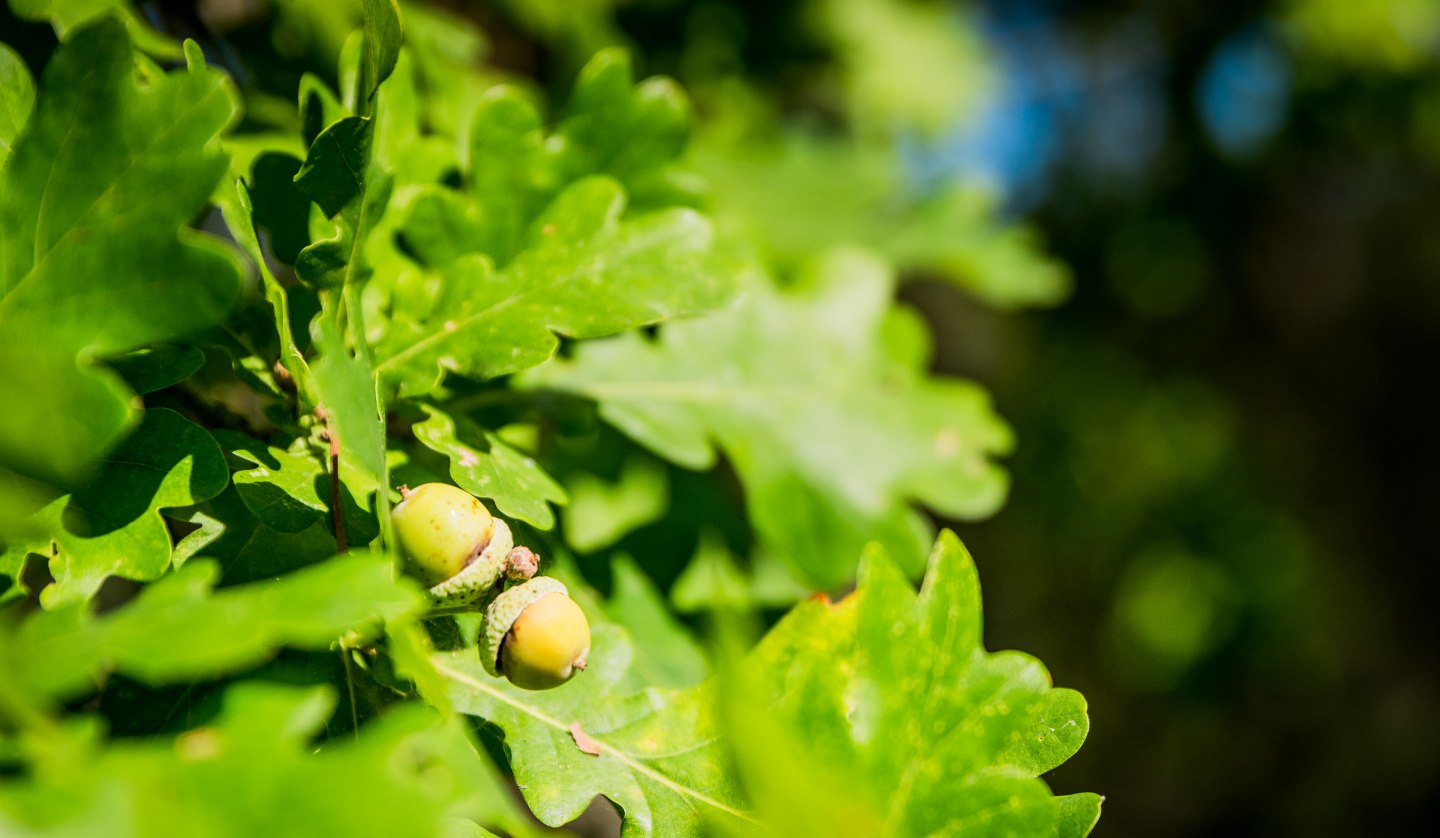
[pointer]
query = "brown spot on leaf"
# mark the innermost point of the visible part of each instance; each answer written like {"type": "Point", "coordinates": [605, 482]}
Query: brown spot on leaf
{"type": "Point", "coordinates": [583, 740]}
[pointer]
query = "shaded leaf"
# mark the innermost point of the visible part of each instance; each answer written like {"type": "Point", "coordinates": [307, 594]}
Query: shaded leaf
{"type": "Point", "coordinates": [94, 257]}
{"type": "Point", "coordinates": [277, 206]}
{"type": "Point", "coordinates": [157, 367]}
{"type": "Point", "coordinates": [284, 488]}
{"type": "Point", "coordinates": [246, 548]}
{"type": "Point", "coordinates": [601, 513]}
{"type": "Point", "coordinates": [334, 169]}
{"type": "Point", "coordinates": [238, 212]}
{"type": "Point", "coordinates": [112, 525]}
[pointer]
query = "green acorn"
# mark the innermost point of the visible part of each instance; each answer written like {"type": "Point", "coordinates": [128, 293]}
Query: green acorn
{"type": "Point", "coordinates": [535, 635]}
{"type": "Point", "coordinates": [451, 543]}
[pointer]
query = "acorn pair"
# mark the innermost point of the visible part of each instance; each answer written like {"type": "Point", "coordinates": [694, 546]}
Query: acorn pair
{"type": "Point", "coordinates": [533, 633]}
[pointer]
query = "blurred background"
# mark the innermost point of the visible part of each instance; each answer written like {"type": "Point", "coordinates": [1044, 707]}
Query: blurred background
{"type": "Point", "coordinates": [1192, 248]}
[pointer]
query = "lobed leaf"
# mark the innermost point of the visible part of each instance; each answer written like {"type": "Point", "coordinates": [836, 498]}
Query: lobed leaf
{"type": "Point", "coordinates": [659, 756]}
{"type": "Point", "coordinates": [934, 735]}
{"type": "Point", "coordinates": [601, 513]}
{"type": "Point", "coordinates": [70, 16]}
{"type": "Point", "coordinates": [784, 192]}
{"type": "Point", "coordinates": [112, 525]}
{"type": "Point", "coordinates": [95, 257]}
{"type": "Point", "coordinates": [831, 427]}
{"type": "Point", "coordinates": [252, 770]}
{"type": "Point", "coordinates": [180, 630]}
{"type": "Point", "coordinates": [579, 251]}
{"type": "Point", "coordinates": [488, 467]}
{"type": "Point", "coordinates": [284, 488]}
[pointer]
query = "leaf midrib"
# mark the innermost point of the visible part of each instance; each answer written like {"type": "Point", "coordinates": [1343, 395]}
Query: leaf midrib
{"type": "Point", "coordinates": [634, 763]}
{"type": "Point", "coordinates": [524, 294]}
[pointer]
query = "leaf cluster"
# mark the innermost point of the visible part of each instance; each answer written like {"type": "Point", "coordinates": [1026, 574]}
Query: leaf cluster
{"type": "Point", "coordinates": [230, 329]}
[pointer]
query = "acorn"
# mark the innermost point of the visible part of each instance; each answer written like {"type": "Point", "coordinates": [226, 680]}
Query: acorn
{"type": "Point", "coordinates": [535, 635]}
{"type": "Point", "coordinates": [451, 543]}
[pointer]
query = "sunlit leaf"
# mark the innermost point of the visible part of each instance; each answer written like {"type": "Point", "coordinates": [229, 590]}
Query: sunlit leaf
{"type": "Point", "coordinates": [486, 466]}
{"type": "Point", "coordinates": [253, 768]}
{"type": "Point", "coordinates": [930, 733]}
{"type": "Point", "coordinates": [831, 433]}
{"type": "Point", "coordinates": [579, 251]}
{"type": "Point", "coordinates": [659, 757]}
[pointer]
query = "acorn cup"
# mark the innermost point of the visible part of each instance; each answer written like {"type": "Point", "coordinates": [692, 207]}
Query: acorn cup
{"type": "Point", "coordinates": [533, 633]}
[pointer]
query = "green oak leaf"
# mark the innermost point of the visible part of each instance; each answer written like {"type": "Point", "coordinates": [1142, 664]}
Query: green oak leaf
{"type": "Point", "coordinates": [383, 37]}
{"type": "Point", "coordinates": [345, 384]}
{"type": "Point", "coordinates": [284, 488]}
{"type": "Point", "coordinates": [239, 216]}
{"type": "Point", "coordinates": [69, 16]}
{"type": "Point", "coordinates": [889, 55]}
{"type": "Point", "coordinates": [928, 733]}
{"type": "Point", "coordinates": [112, 525]}
{"type": "Point", "coordinates": [95, 255]}
{"type": "Point", "coordinates": [601, 513]}
{"type": "Point", "coordinates": [17, 99]}
{"type": "Point", "coordinates": [333, 172]}
{"type": "Point", "coordinates": [272, 203]}
{"type": "Point", "coordinates": [253, 768]}
{"type": "Point", "coordinates": [247, 548]}
{"type": "Point", "coordinates": [820, 399]}
{"type": "Point", "coordinates": [486, 466]}
{"type": "Point", "coordinates": [633, 133]}
{"type": "Point", "coordinates": [645, 269]}
{"type": "Point", "coordinates": [339, 172]}
{"type": "Point", "coordinates": [179, 629]}
{"type": "Point", "coordinates": [713, 580]}
{"type": "Point", "coordinates": [670, 656]}
{"type": "Point", "coordinates": [784, 192]}
{"type": "Point", "coordinates": [157, 367]}
{"type": "Point", "coordinates": [660, 759]}
{"type": "Point", "coordinates": [611, 125]}
{"type": "Point", "coordinates": [510, 177]}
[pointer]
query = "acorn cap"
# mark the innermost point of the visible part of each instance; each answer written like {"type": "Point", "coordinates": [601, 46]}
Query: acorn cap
{"type": "Point", "coordinates": [505, 610]}
{"type": "Point", "coordinates": [481, 574]}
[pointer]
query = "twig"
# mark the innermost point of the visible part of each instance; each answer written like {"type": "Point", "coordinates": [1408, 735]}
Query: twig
{"type": "Point", "coordinates": [337, 512]}
{"type": "Point", "coordinates": [350, 687]}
